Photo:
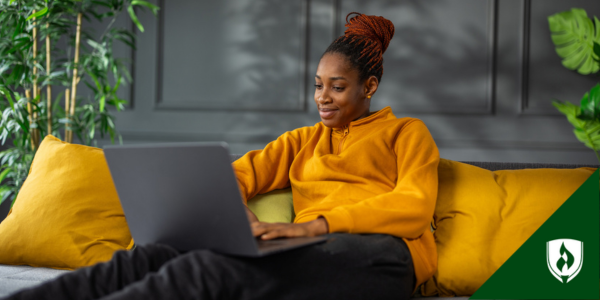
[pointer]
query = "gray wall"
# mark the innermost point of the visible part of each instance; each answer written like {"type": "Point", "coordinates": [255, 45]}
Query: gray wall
{"type": "Point", "coordinates": [481, 74]}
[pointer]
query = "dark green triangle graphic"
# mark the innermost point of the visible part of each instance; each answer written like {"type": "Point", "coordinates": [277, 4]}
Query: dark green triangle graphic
{"type": "Point", "coordinates": [526, 275]}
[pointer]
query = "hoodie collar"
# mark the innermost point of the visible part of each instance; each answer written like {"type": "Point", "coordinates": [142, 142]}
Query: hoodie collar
{"type": "Point", "coordinates": [380, 115]}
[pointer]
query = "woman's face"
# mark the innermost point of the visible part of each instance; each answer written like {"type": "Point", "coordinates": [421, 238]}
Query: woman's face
{"type": "Point", "coordinates": [340, 97]}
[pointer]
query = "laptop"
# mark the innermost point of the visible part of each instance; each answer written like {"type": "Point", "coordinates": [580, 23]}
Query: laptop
{"type": "Point", "coordinates": [186, 195]}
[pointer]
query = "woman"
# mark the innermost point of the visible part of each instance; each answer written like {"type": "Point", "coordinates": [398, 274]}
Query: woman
{"type": "Point", "coordinates": [367, 179]}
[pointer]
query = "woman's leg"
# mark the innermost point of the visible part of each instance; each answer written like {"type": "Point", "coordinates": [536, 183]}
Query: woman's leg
{"type": "Point", "coordinates": [347, 266]}
{"type": "Point", "coordinates": [102, 279]}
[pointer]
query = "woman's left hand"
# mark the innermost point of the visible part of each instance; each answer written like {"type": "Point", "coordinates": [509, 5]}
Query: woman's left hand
{"type": "Point", "coordinates": [269, 231]}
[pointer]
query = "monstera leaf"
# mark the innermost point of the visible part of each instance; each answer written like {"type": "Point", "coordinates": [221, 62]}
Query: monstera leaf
{"type": "Point", "coordinates": [590, 104]}
{"type": "Point", "coordinates": [586, 128]}
{"type": "Point", "coordinates": [575, 36]}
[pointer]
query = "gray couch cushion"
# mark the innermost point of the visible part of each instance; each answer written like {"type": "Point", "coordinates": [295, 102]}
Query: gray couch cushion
{"type": "Point", "coordinates": [14, 278]}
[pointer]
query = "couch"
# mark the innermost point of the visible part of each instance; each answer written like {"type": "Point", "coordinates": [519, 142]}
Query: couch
{"type": "Point", "coordinates": [14, 278]}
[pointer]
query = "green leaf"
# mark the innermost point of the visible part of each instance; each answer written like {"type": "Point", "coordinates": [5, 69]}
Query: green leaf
{"type": "Point", "coordinates": [5, 192]}
{"type": "Point", "coordinates": [102, 4]}
{"type": "Point", "coordinates": [92, 132]}
{"type": "Point", "coordinates": [126, 41]}
{"type": "Point", "coordinates": [20, 25]}
{"type": "Point", "coordinates": [590, 104]}
{"type": "Point", "coordinates": [13, 202]}
{"type": "Point", "coordinates": [40, 13]}
{"type": "Point", "coordinates": [96, 45]}
{"type": "Point", "coordinates": [586, 131]}
{"type": "Point", "coordinates": [102, 103]}
{"type": "Point", "coordinates": [4, 173]}
{"type": "Point", "coordinates": [134, 18]}
{"type": "Point", "coordinates": [98, 85]}
{"type": "Point", "coordinates": [152, 7]}
{"type": "Point", "coordinates": [91, 87]}
{"type": "Point", "coordinates": [114, 90]}
{"type": "Point", "coordinates": [574, 35]}
{"type": "Point", "coordinates": [8, 97]}
{"type": "Point", "coordinates": [571, 111]}
{"type": "Point", "coordinates": [5, 67]}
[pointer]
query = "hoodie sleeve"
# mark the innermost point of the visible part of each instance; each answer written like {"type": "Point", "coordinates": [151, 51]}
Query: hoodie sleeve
{"type": "Point", "coordinates": [261, 171]}
{"type": "Point", "coordinates": [407, 210]}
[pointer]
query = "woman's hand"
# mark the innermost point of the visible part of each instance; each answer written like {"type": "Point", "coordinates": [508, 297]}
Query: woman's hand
{"type": "Point", "coordinates": [269, 231]}
{"type": "Point", "coordinates": [251, 216]}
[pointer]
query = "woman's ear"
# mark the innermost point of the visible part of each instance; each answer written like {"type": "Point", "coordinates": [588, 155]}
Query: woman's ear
{"type": "Point", "coordinates": [371, 85]}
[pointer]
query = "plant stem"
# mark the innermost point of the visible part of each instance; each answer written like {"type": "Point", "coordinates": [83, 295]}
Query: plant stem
{"type": "Point", "coordinates": [48, 87]}
{"type": "Point", "coordinates": [75, 78]}
{"type": "Point", "coordinates": [116, 14]}
{"type": "Point", "coordinates": [28, 96]}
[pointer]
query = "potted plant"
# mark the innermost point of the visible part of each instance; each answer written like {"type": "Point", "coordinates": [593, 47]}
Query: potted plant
{"type": "Point", "coordinates": [577, 41]}
{"type": "Point", "coordinates": [31, 63]}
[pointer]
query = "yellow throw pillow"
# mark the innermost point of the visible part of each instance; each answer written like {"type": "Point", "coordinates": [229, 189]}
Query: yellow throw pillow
{"type": "Point", "coordinates": [274, 206]}
{"type": "Point", "coordinates": [483, 217]}
{"type": "Point", "coordinates": [67, 214]}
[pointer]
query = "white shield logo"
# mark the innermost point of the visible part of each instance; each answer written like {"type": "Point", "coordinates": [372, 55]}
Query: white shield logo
{"type": "Point", "coordinates": [564, 258]}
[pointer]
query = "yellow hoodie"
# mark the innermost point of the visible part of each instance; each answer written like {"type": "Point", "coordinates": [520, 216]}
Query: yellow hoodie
{"type": "Point", "coordinates": [376, 175]}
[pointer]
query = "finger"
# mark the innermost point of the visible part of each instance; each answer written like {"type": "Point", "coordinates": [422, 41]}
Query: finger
{"type": "Point", "coordinates": [254, 227]}
{"type": "Point", "coordinates": [274, 234]}
{"type": "Point", "coordinates": [281, 232]}
{"type": "Point", "coordinates": [259, 228]}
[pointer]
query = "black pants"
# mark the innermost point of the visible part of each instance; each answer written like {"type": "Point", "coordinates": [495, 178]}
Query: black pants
{"type": "Point", "coordinates": [347, 266]}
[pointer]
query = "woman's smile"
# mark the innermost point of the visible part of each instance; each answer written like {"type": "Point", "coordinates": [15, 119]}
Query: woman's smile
{"type": "Point", "coordinates": [327, 113]}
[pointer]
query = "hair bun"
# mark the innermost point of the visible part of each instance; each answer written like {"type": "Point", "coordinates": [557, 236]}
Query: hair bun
{"type": "Point", "coordinates": [375, 28]}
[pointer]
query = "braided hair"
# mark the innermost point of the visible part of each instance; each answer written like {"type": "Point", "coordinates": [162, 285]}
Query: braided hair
{"type": "Point", "coordinates": [363, 43]}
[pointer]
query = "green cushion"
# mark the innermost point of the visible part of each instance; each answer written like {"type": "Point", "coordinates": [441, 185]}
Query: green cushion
{"type": "Point", "coordinates": [274, 206]}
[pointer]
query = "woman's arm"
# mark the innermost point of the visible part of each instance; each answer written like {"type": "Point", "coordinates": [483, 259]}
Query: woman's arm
{"type": "Point", "coordinates": [261, 171]}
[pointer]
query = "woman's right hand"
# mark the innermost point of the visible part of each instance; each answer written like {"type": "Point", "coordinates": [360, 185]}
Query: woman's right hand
{"type": "Point", "coordinates": [251, 216]}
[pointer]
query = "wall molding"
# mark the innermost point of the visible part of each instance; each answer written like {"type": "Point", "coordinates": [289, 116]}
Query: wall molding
{"type": "Point", "coordinates": [523, 105]}
{"type": "Point", "coordinates": [492, 55]}
{"type": "Point", "coordinates": [301, 107]}
{"type": "Point", "coordinates": [524, 56]}
{"type": "Point", "coordinates": [336, 14]}
{"type": "Point", "coordinates": [160, 33]}
{"type": "Point", "coordinates": [131, 104]}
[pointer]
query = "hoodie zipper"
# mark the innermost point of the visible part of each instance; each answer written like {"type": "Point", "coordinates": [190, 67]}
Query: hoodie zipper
{"type": "Point", "coordinates": [344, 135]}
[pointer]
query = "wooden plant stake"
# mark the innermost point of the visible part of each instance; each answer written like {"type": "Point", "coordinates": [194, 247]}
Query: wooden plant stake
{"type": "Point", "coordinates": [30, 119]}
{"type": "Point", "coordinates": [48, 87]}
{"type": "Point", "coordinates": [67, 117]}
{"type": "Point", "coordinates": [75, 78]}
{"type": "Point", "coordinates": [35, 87]}
{"type": "Point", "coordinates": [34, 131]}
